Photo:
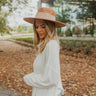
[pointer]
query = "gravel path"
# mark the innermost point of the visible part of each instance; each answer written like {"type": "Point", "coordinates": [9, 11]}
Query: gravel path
{"type": "Point", "coordinates": [7, 50]}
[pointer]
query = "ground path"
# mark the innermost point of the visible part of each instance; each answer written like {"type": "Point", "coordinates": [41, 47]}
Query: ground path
{"type": "Point", "coordinates": [78, 74]}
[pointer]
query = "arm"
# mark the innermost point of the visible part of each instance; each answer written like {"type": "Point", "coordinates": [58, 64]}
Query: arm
{"type": "Point", "coordinates": [51, 72]}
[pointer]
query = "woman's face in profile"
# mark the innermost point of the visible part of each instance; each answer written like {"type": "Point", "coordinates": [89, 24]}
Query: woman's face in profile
{"type": "Point", "coordinates": [41, 29]}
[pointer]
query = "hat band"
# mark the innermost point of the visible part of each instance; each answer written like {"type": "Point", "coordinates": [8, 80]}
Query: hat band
{"type": "Point", "coordinates": [43, 15]}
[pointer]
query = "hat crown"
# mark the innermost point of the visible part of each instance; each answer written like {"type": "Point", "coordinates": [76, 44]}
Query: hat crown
{"type": "Point", "coordinates": [47, 10]}
{"type": "Point", "coordinates": [45, 13]}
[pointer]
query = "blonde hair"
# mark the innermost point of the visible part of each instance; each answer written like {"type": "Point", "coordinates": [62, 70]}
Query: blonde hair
{"type": "Point", "coordinates": [51, 35]}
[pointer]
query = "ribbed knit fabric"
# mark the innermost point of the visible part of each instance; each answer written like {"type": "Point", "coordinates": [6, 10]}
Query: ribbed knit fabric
{"type": "Point", "coordinates": [45, 78]}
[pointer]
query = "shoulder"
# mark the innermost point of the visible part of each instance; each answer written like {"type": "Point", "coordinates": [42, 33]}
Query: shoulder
{"type": "Point", "coordinates": [51, 48]}
{"type": "Point", "coordinates": [52, 44]}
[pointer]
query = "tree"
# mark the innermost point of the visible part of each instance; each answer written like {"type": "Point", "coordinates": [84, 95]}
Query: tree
{"type": "Point", "coordinates": [3, 15]}
{"type": "Point", "coordinates": [68, 32]}
{"type": "Point", "coordinates": [3, 27]}
{"type": "Point", "coordinates": [21, 28]}
{"type": "Point", "coordinates": [77, 31]}
{"type": "Point", "coordinates": [63, 14]}
{"type": "Point", "coordinates": [51, 2]}
{"type": "Point", "coordinates": [88, 10]}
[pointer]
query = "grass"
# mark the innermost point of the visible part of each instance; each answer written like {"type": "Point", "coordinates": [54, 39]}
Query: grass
{"type": "Point", "coordinates": [71, 45]}
{"type": "Point", "coordinates": [26, 39]}
{"type": "Point", "coordinates": [78, 45]}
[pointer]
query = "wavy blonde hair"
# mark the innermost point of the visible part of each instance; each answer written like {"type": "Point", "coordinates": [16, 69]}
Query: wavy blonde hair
{"type": "Point", "coordinates": [51, 35]}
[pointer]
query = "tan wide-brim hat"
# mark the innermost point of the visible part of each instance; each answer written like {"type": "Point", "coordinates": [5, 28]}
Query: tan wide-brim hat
{"type": "Point", "coordinates": [45, 13]}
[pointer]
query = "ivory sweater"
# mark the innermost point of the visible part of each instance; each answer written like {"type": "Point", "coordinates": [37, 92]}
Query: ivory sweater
{"type": "Point", "coordinates": [45, 78]}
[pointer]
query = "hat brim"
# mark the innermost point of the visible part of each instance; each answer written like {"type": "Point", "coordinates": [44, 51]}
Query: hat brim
{"type": "Point", "coordinates": [31, 20]}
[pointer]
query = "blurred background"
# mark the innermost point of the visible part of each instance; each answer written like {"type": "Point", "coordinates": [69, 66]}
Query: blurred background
{"type": "Point", "coordinates": [78, 15]}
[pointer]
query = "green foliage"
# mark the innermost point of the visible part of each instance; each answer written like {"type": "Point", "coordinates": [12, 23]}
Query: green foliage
{"type": "Point", "coordinates": [68, 32]}
{"type": "Point", "coordinates": [85, 30]}
{"type": "Point", "coordinates": [51, 2]}
{"type": "Point", "coordinates": [71, 43]}
{"type": "Point", "coordinates": [58, 31]}
{"type": "Point", "coordinates": [20, 28]}
{"type": "Point", "coordinates": [27, 39]}
{"type": "Point", "coordinates": [23, 28]}
{"type": "Point", "coordinates": [88, 10]}
{"type": "Point", "coordinates": [63, 15]}
{"type": "Point", "coordinates": [76, 30]}
{"type": "Point", "coordinates": [2, 3]}
{"type": "Point", "coordinates": [30, 29]}
{"type": "Point", "coordinates": [3, 27]}
{"type": "Point", "coordinates": [3, 21]}
{"type": "Point", "coordinates": [95, 31]}
{"type": "Point", "coordinates": [14, 28]}
{"type": "Point", "coordinates": [9, 4]}
{"type": "Point", "coordinates": [78, 45]}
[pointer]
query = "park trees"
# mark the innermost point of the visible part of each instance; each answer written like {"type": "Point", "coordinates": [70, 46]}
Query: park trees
{"type": "Point", "coordinates": [4, 28]}
{"type": "Point", "coordinates": [87, 13]}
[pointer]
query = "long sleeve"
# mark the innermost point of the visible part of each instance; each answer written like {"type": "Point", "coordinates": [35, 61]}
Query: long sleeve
{"type": "Point", "coordinates": [51, 71]}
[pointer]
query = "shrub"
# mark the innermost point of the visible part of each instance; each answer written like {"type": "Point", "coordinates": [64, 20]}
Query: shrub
{"type": "Point", "coordinates": [77, 31]}
{"type": "Point", "coordinates": [30, 40]}
{"type": "Point", "coordinates": [68, 32]}
{"type": "Point", "coordinates": [78, 45]}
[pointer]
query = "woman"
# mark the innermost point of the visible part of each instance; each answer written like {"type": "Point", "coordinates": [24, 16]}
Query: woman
{"type": "Point", "coordinates": [45, 78]}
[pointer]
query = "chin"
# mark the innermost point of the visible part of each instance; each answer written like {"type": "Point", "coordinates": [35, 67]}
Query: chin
{"type": "Point", "coordinates": [41, 37]}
